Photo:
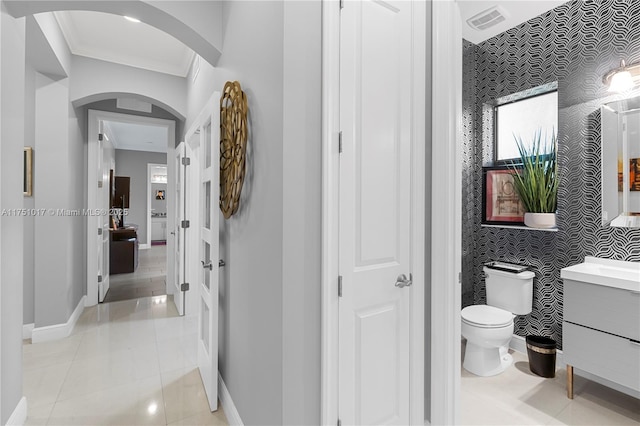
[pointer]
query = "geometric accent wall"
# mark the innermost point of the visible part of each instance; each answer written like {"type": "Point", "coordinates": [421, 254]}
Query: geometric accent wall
{"type": "Point", "coordinates": [574, 44]}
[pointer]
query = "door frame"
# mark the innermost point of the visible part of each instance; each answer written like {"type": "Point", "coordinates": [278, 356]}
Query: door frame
{"type": "Point", "coordinates": [330, 213]}
{"type": "Point", "coordinates": [445, 226]}
{"type": "Point", "coordinates": [150, 197]}
{"type": "Point", "coordinates": [94, 118]}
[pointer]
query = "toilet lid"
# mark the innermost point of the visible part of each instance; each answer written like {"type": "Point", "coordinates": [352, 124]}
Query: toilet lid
{"type": "Point", "coordinates": [486, 316]}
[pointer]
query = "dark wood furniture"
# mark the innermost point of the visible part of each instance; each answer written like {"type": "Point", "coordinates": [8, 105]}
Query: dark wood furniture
{"type": "Point", "coordinates": [123, 250]}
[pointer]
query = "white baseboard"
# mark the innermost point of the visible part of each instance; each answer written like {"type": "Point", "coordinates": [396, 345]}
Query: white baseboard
{"type": "Point", "coordinates": [58, 331]}
{"type": "Point", "coordinates": [144, 247]}
{"type": "Point", "coordinates": [233, 417]}
{"type": "Point", "coordinates": [27, 330]}
{"type": "Point", "coordinates": [19, 415]}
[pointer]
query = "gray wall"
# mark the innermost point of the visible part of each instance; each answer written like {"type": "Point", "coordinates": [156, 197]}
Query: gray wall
{"type": "Point", "coordinates": [134, 164]}
{"type": "Point", "coordinates": [251, 352]}
{"type": "Point", "coordinates": [12, 108]}
{"type": "Point", "coordinates": [270, 310]}
{"type": "Point", "coordinates": [574, 44]}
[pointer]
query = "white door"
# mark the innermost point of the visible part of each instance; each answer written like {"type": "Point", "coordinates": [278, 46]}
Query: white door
{"type": "Point", "coordinates": [106, 162]}
{"type": "Point", "coordinates": [209, 251]}
{"type": "Point", "coordinates": [179, 231]}
{"type": "Point", "coordinates": [375, 171]}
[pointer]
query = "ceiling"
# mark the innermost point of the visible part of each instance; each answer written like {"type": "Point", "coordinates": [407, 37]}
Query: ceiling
{"type": "Point", "coordinates": [113, 38]}
{"type": "Point", "coordinates": [516, 12]}
{"type": "Point", "coordinates": [137, 137]}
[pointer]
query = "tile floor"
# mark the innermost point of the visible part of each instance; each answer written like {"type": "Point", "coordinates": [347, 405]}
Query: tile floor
{"type": "Point", "coordinates": [519, 397]}
{"type": "Point", "coordinates": [126, 363]}
{"type": "Point", "coordinates": [149, 279]}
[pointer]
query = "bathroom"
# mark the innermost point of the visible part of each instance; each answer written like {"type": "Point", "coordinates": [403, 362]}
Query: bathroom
{"type": "Point", "coordinates": [573, 45]}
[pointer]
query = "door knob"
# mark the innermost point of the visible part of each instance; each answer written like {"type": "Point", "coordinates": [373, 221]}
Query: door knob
{"type": "Point", "coordinates": [402, 280]}
{"type": "Point", "coordinates": [207, 265]}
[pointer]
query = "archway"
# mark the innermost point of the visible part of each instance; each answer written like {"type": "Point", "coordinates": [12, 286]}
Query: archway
{"type": "Point", "coordinates": [200, 30]}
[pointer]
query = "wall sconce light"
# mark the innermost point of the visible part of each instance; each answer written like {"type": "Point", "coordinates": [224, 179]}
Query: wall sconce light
{"type": "Point", "coordinates": [622, 78]}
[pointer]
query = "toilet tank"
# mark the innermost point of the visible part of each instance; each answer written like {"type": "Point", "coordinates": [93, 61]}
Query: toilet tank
{"type": "Point", "coordinates": [510, 291]}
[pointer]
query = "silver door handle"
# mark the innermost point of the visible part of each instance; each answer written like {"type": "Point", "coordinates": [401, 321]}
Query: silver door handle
{"type": "Point", "coordinates": [402, 280]}
{"type": "Point", "coordinates": [221, 263]}
{"type": "Point", "coordinates": [207, 265]}
{"type": "Point", "coordinates": [172, 233]}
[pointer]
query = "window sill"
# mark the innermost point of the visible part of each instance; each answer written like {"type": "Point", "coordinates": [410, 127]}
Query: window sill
{"type": "Point", "coordinates": [484, 225]}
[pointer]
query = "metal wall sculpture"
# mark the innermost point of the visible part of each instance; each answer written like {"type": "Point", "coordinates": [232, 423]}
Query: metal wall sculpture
{"type": "Point", "coordinates": [233, 146]}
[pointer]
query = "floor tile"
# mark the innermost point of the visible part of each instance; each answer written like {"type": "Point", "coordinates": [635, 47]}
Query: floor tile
{"type": "Point", "coordinates": [41, 386]}
{"type": "Point", "coordinates": [112, 369]}
{"type": "Point", "coordinates": [138, 403]}
{"type": "Point", "coordinates": [184, 394]}
{"type": "Point", "coordinates": [44, 354]}
{"type": "Point", "coordinates": [38, 415]}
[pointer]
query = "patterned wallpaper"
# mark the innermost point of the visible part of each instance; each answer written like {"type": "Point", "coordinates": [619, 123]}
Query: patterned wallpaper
{"type": "Point", "coordinates": [574, 44]}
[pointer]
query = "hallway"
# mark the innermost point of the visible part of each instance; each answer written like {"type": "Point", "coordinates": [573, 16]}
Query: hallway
{"type": "Point", "coordinates": [126, 363]}
{"type": "Point", "coordinates": [149, 278]}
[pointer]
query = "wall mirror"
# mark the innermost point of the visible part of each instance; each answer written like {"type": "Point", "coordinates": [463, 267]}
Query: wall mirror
{"type": "Point", "coordinates": [621, 163]}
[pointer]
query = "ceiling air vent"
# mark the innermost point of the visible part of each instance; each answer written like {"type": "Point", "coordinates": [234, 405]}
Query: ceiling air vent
{"type": "Point", "coordinates": [487, 18]}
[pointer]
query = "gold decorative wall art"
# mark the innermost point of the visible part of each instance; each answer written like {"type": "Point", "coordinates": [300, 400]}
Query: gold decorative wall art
{"type": "Point", "coordinates": [233, 146]}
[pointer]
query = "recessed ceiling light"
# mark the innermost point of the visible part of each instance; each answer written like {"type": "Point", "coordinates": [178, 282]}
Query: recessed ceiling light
{"type": "Point", "coordinates": [129, 18]}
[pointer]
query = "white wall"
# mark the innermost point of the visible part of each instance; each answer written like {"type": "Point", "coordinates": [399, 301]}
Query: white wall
{"type": "Point", "coordinates": [134, 164]}
{"type": "Point", "coordinates": [270, 311]}
{"type": "Point", "coordinates": [92, 77]}
{"type": "Point", "coordinates": [12, 108]}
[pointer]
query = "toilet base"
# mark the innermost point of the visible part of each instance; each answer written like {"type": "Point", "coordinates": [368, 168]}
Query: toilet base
{"type": "Point", "coordinates": [486, 361]}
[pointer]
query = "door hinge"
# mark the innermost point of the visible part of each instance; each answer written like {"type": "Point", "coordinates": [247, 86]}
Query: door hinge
{"type": "Point", "coordinates": [341, 7]}
{"type": "Point", "coordinates": [100, 136]}
{"type": "Point", "coordinates": [99, 231]}
{"type": "Point", "coordinates": [186, 161]}
{"type": "Point", "coordinates": [99, 278]}
{"type": "Point", "coordinates": [340, 142]}
{"type": "Point", "coordinates": [185, 224]}
{"type": "Point", "coordinates": [99, 184]}
{"type": "Point", "coordinates": [339, 285]}
{"type": "Point", "coordinates": [184, 287]}
{"type": "Point", "coordinates": [339, 422]}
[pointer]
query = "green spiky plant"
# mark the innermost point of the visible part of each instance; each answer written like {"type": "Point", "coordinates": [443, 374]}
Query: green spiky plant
{"type": "Point", "coordinates": [536, 180]}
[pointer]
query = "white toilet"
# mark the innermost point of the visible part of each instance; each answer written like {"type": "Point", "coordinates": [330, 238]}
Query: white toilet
{"type": "Point", "coordinates": [488, 328]}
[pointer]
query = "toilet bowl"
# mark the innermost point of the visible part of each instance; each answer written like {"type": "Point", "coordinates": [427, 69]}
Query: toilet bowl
{"type": "Point", "coordinates": [488, 328]}
{"type": "Point", "coordinates": [488, 331]}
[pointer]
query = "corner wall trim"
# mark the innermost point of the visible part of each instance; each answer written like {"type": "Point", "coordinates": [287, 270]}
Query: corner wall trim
{"type": "Point", "coordinates": [19, 415]}
{"type": "Point", "coordinates": [27, 330]}
{"type": "Point", "coordinates": [230, 410]}
{"type": "Point", "coordinates": [58, 331]}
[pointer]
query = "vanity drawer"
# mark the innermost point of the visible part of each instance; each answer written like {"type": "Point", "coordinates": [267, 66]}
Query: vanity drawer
{"type": "Point", "coordinates": [611, 357]}
{"type": "Point", "coordinates": [609, 309]}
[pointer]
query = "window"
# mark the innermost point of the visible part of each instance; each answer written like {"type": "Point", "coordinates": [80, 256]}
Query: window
{"type": "Point", "coordinates": [524, 118]}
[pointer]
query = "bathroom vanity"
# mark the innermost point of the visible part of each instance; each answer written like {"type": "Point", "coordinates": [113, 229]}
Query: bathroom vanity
{"type": "Point", "coordinates": [601, 328]}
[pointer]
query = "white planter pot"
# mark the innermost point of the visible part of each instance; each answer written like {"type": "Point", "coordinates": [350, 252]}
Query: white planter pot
{"type": "Point", "coordinates": [540, 220]}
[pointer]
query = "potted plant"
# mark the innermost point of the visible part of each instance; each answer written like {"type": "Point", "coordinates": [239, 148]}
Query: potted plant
{"type": "Point", "coordinates": [536, 181]}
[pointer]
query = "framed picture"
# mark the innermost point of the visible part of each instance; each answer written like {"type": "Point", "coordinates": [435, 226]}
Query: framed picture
{"type": "Point", "coordinates": [160, 193]}
{"type": "Point", "coordinates": [27, 186]}
{"type": "Point", "coordinates": [634, 174]}
{"type": "Point", "coordinates": [501, 204]}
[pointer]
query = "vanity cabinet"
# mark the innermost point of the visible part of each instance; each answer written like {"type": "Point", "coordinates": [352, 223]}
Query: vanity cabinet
{"type": "Point", "coordinates": [601, 328]}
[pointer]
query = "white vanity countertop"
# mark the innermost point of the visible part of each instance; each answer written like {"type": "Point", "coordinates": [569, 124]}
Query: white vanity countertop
{"type": "Point", "coordinates": [607, 272]}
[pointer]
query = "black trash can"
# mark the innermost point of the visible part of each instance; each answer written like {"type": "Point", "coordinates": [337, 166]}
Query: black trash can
{"type": "Point", "coordinates": [542, 356]}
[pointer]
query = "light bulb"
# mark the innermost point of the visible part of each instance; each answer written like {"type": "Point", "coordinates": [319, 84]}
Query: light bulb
{"type": "Point", "coordinates": [621, 82]}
